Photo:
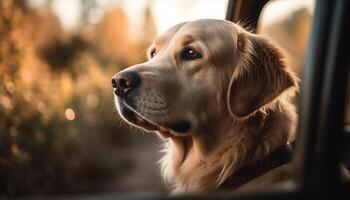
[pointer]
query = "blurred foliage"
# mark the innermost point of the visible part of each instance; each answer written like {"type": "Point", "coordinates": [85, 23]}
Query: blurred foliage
{"type": "Point", "coordinates": [57, 129]}
{"type": "Point", "coordinates": [291, 32]}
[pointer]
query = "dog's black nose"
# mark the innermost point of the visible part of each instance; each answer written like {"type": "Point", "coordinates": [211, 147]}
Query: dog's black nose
{"type": "Point", "coordinates": [124, 82]}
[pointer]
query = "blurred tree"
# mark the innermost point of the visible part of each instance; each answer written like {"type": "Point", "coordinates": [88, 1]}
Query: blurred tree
{"type": "Point", "coordinates": [88, 6]}
{"type": "Point", "coordinates": [112, 39]}
{"type": "Point", "coordinates": [149, 28]}
{"type": "Point", "coordinates": [49, 140]}
{"type": "Point", "coordinates": [291, 32]}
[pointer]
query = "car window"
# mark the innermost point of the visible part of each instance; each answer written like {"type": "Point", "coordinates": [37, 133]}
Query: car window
{"type": "Point", "coordinates": [288, 23]}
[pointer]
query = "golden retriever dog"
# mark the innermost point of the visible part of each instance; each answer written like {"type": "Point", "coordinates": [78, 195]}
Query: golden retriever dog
{"type": "Point", "coordinates": [219, 96]}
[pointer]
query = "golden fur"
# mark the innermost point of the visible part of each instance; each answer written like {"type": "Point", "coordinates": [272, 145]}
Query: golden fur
{"type": "Point", "coordinates": [236, 97]}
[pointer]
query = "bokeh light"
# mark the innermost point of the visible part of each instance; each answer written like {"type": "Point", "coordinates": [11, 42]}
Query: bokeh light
{"type": "Point", "coordinates": [70, 114]}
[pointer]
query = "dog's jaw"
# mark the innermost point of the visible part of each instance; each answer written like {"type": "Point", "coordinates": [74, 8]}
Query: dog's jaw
{"type": "Point", "coordinates": [135, 117]}
{"type": "Point", "coordinates": [183, 140]}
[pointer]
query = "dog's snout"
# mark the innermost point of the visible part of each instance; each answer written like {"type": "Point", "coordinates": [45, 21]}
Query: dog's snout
{"type": "Point", "coordinates": [124, 82]}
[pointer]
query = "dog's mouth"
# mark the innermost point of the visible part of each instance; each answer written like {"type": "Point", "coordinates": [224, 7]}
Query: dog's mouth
{"type": "Point", "coordinates": [129, 114]}
{"type": "Point", "coordinates": [177, 131]}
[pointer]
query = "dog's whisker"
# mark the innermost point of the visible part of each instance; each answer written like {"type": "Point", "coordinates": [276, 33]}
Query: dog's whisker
{"type": "Point", "coordinates": [143, 132]}
{"type": "Point", "coordinates": [166, 116]}
{"type": "Point", "coordinates": [120, 123]}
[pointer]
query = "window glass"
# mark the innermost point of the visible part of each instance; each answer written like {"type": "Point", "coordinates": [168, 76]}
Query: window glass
{"type": "Point", "coordinates": [59, 131]}
{"type": "Point", "coordinates": [288, 23]}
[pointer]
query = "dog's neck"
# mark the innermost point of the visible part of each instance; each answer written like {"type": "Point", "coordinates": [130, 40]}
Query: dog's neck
{"type": "Point", "coordinates": [245, 142]}
{"type": "Point", "coordinates": [247, 173]}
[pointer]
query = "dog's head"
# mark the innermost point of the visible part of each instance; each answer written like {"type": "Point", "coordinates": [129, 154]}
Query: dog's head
{"type": "Point", "coordinates": [205, 85]}
{"type": "Point", "coordinates": [196, 72]}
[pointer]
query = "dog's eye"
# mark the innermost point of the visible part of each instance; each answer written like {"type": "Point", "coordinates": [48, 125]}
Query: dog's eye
{"type": "Point", "coordinates": [153, 53]}
{"type": "Point", "coordinates": [190, 53]}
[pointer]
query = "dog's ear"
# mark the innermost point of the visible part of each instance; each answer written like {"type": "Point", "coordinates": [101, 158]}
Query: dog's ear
{"type": "Point", "coordinates": [260, 76]}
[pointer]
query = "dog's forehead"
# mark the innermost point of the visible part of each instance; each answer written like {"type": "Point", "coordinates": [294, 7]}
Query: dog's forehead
{"type": "Point", "coordinates": [168, 34]}
{"type": "Point", "coordinates": [206, 25]}
{"type": "Point", "coordinates": [199, 29]}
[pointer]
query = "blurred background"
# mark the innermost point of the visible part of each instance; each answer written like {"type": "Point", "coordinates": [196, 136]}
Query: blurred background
{"type": "Point", "coordinates": [59, 131]}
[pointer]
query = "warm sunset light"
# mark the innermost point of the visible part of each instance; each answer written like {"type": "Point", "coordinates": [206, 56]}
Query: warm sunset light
{"type": "Point", "coordinates": [165, 12]}
{"type": "Point", "coordinates": [98, 99]}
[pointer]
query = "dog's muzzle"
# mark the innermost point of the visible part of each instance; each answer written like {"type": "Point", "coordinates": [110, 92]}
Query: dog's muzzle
{"type": "Point", "coordinates": [123, 84]}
